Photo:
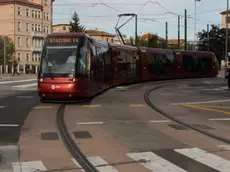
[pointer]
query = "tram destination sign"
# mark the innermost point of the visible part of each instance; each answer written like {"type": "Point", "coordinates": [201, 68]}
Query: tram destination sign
{"type": "Point", "coordinates": [62, 40]}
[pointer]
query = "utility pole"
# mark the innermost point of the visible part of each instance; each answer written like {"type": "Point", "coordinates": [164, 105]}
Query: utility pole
{"type": "Point", "coordinates": [136, 29]}
{"type": "Point", "coordinates": [208, 36]}
{"type": "Point", "coordinates": [226, 41]}
{"type": "Point", "coordinates": [166, 34]}
{"type": "Point", "coordinates": [178, 31]}
{"type": "Point", "coordinates": [4, 54]}
{"type": "Point", "coordinates": [185, 29]}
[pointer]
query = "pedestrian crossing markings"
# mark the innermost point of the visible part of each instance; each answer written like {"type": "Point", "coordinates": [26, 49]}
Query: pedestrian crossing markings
{"type": "Point", "coordinates": [149, 160]}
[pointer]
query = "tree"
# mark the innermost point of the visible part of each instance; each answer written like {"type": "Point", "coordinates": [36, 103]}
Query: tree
{"type": "Point", "coordinates": [75, 25]}
{"type": "Point", "coordinates": [10, 49]}
{"type": "Point", "coordinates": [216, 41]}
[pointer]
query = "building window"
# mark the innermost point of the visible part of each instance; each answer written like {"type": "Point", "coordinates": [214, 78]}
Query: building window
{"type": "Point", "coordinates": [32, 27]}
{"type": "Point", "coordinates": [47, 29]}
{"type": "Point", "coordinates": [34, 57]}
{"type": "Point", "coordinates": [37, 43]}
{"type": "Point", "coordinates": [33, 13]}
{"type": "Point", "coordinates": [19, 26]}
{"type": "Point", "coordinates": [27, 57]}
{"type": "Point", "coordinates": [27, 27]}
{"type": "Point", "coordinates": [39, 14]}
{"type": "Point", "coordinates": [27, 12]}
{"type": "Point", "coordinates": [36, 15]}
{"type": "Point", "coordinates": [112, 40]}
{"type": "Point", "coordinates": [27, 42]}
{"type": "Point", "coordinates": [19, 11]}
{"type": "Point", "coordinates": [39, 28]}
{"type": "Point", "coordinates": [44, 16]}
{"type": "Point", "coordinates": [47, 16]}
{"type": "Point", "coordinates": [228, 19]}
{"type": "Point", "coordinates": [44, 29]}
{"type": "Point", "coordinates": [19, 41]}
{"type": "Point", "coordinates": [35, 27]}
{"type": "Point", "coordinates": [64, 28]}
{"type": "Point", "coordinates": [19, 57]}
{"type": "Point", "coordinates": [46, 2]}
{"type": "Point", "coordinates": [107, 39]}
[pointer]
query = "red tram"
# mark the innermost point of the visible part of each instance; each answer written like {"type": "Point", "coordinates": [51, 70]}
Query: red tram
{"type": "Point", "coordinates": [76, 66]}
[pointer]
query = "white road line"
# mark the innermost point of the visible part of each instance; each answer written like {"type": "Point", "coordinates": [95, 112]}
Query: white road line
{"type": "Point", "coordinates": [204, 102]}
{"type": "Point", "coordinates": [96, 161]}
{"type": "Point", "coordinates": [9, 125]}
{"type": "Point", "coordinates": [208, 159]}
{"type": "Point", "coordinates": [219, 119]}
{"type": "Point", "coordinates": [26, 97]}
{"type": "Point", "coordinates": [155, 162]}
{"type": "Point", "coordinates": [225, 147]}
{"type": "Point", "coordinates": [89, 123]}
{"type": "Point", "coordinates": [17, 81]}
{"type": "Point", "coordinates": [29, 166]}
{"type": "Point", "coordinates": [77, 164]}
{"type": "Point", "coordinates": [25, 85]}
{"type": "Point", "coordinates": [1, 107]}
{"type": "Point", "coordinates": [159, 121]}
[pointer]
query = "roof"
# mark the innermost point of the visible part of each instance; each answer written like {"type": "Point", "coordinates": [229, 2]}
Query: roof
{"type": "Point", "coordinates": [60, 25]}
{"type": "Point", "coordinates": [225, 12]}
{"type": "Point", "coordinates": [24, 2]}
{"type": "Point", "coordinates": [66, 34]}
{"type": "Point", "coordinates": [99, 33]}
{"type": "Point", "coordinates": [149, 35]}
{"type": "Point", "coordinates": [175, 41]}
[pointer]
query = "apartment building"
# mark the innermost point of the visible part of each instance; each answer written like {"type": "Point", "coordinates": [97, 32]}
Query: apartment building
{"type": "Point", "coordinates": [26, 22]}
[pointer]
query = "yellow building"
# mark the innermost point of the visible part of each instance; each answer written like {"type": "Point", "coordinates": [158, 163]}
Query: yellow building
{"type": "Point", "coordinates": [224, 15]}
{"type": "Point", "coordinates": [101, 35]}
{"type": "Point", "coordinates": [26, 22]}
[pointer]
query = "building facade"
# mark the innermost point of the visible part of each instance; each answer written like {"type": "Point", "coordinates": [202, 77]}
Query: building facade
{"type": "Point", "coordinates": [60, 28]}
{"type": "Point", "coordinates": [224, 19]}
{"type": "Point", "coordinates": [26, 22]}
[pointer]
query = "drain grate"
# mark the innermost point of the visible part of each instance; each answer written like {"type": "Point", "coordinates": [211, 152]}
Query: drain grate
{"type": "Point", "coordinates": [82, 134]}
{"type": "Point", "coordinates": [49, 136]}
{"type": "Point", "coordinates": [203, 126]}
{"type": "Point", "coordinates": [178, 127]}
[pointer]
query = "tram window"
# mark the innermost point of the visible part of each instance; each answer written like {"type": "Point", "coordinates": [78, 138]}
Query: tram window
{"type": "Point", "coordinates": [188, 63]}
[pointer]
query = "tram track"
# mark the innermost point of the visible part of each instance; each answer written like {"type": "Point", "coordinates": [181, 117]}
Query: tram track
{"type": "Point", "coordinates": [74, 149]}
{"type": "Point", "coordinates": [154, 107]}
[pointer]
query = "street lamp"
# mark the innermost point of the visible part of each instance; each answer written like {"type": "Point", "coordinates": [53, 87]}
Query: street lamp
{"type": "Point", "coordinates": [226, 41]}
{"type": "Point", "coordinates": [195, 25]}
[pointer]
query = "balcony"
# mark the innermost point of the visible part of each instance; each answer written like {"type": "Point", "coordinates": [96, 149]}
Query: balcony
{"type": "Point", "coordinates": [38, 34]}
{"type": "Point", "coordinates": [36, 49]}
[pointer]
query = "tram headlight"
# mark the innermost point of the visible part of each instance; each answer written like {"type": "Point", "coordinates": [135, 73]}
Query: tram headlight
{"type": "Point", "coordinates": [41, 80]}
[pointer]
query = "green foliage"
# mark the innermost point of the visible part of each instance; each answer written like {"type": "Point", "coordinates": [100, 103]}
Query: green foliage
{"type": "Point", "coordinates": [9, 50]}
{"type": "Point", "coordinates": [75, 25]}
{"type": "Point", "coordinates": [216, 41]}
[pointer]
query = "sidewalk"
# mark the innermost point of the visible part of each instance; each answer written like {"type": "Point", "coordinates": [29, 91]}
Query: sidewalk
{"type": "Point", "coordinates": [5, 76]}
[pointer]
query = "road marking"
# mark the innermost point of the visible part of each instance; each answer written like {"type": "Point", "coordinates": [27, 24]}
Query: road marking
{"type": "Point", "coordinates": [225, 147]}
{"type": "Point", "coordinates": [9, 125]}
{"type": "Point", "coordinates": [91, 106]}
{"type": "Point", "coordinates": [220, 107]}
{"type": "Point", "coordinates": [159, 121]}
{"type": "Point", "coordinates": [28, 166]}
{"type": "Point", "coordinates": [219, 119]}
{"type": "Point", "coordinates": [25, 85]}
{"type": "Point", "coordinates": [17, 81]}
{"type": "Point", "coordinates": [208, 159]}
{"type": "Point", "coordinates": [77, 164]}
{"type": "Point", "coordinates": [137, 105]}
{"type": "Point", "coordinates": [205, 102]}
{"type": "Point", "coordinates": [42, 107]}
{"type": "Point", "coordinates": [208, 109]}
{"type": "Point", "coordinates": [89, 123]}
{"type": "Point", "coordinates": [26, 97]}
{"type": "Point", "coordinates": [156, 163]}
{"type": "Point", "coordinates": [98, 161]}
{"type": "Point", "coordinates": [1, 107]}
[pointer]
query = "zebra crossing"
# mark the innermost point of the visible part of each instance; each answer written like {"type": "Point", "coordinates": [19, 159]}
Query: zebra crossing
{"type": "Point", "coordinates": [174, 160]}
{"type": "Point", "coordinates": [22, 84]}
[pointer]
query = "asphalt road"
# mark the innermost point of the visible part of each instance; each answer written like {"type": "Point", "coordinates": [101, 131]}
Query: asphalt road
{"type": "Point", "coordinates": [118, 129]}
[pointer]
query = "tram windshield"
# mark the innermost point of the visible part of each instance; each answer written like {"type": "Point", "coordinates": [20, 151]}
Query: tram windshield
{"type": "Point", "coordinates": [59, 60]}
{"type": "Point", "coordinates": [59, 57]}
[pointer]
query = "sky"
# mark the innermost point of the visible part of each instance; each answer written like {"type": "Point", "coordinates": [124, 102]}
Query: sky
{"type": "Point", "coordinates": [152, 15]}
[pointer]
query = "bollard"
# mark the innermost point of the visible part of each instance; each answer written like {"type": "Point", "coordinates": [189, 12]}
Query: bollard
{"type": "Point", "coordinates": [1, 69]}
{"type": "Point", "coordinates": [6, 69]}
